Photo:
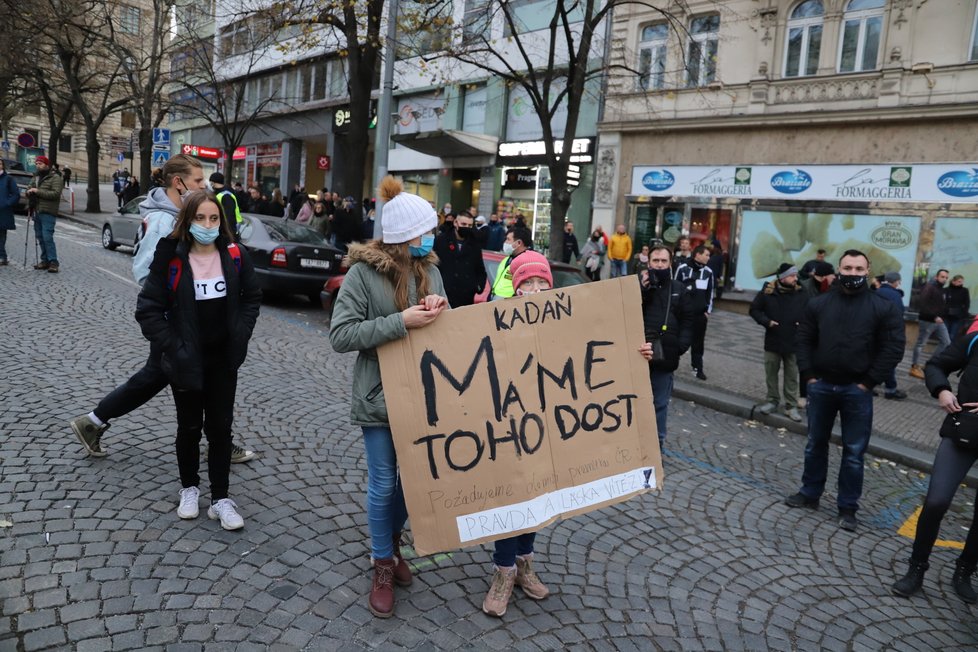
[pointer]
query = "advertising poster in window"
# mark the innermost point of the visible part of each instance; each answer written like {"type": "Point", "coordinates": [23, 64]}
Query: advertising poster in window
{"type": "Point", "coordinates": [769, 238]}
{"type": "Point", "coordinates": [956, 250]}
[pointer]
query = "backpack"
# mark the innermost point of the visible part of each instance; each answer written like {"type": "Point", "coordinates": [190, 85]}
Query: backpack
{"type": "Point", "coordinates": [176, 267]}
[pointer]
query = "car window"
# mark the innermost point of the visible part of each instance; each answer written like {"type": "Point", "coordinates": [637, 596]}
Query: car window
{"type": "Point", "coordinates": [132, 206]}
{"type": "Point", "coordinates": [13, 165]}
{"type": "Point", "coordinates": [288, 231]}
{"type": "Point", "coordinates": [246, 229]}
{"type": "Point", "coordinates": [564, 279]}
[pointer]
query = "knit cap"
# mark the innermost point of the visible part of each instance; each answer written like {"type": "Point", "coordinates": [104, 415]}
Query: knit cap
{"type": "Point", "coordinates": [404, 216]}
{"type": "Point", "coordinates": [823, 269]}
{"type": "Point", "coordinates": [527, 265]}
{"type": "Point", "coordinates": [785, 270]}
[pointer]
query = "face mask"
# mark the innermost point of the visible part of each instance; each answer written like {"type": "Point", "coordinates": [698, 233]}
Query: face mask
{"type": "Point", "coordinates": [422, 250]}
{"type": "Point", "coordinates": [508, 248]}
{"type": "Point", "coordinates": [202, 235]}
{"type": "Point", "coordinates": [464, 231]}
{"type": "Point", "coordinates": [644, 258]}
{"type": "Point", "coordinates": [662, 275]}
{"type": "Point", "coordinates": [595, 237]}
{"type": "Point", "coordinates": [852, 281]}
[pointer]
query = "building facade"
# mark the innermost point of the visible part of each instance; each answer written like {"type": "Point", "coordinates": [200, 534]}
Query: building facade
{"type": "Point", "coordinates": [774, 128]}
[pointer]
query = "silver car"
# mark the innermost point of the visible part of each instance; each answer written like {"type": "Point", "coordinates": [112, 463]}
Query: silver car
{"type": "Point", "coordinates": [123, 226]}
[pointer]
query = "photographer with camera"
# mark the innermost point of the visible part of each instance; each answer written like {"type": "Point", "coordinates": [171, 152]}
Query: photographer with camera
{"type": "Point", "coordinates": [44, 199]}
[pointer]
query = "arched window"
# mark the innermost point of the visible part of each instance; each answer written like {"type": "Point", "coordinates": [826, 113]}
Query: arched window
{"type": "Point", "coordinates": [804, 40]}
{"type": "Point", "coordinates": [652, 43]}
{"type": "Point", "coordinates": [862, 32]}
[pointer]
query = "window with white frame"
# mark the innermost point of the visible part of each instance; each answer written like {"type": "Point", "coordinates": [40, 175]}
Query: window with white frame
{"type": "Point", "coordinates": [804, 42]}
{"type": "Point", "coordinates": [129, 19]}
{"type": "Point", "coordinates": [477, 20]}
{"type": "Point", "coordinates": [862, 32]}
{"type": "Point", "coordinates": [974, 39]}
{"type": "Point", "coordinates": [704, 43]}
{"type": "Point", "coordinates": [652, 43]}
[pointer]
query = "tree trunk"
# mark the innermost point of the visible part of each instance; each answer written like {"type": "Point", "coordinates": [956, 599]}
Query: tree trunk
{"type": "Point", "coordinates": [560, 199]}
{"type": "Point", "coordinates": [145, 156]}
{"type": "Point", "coordinates": [93, 203]}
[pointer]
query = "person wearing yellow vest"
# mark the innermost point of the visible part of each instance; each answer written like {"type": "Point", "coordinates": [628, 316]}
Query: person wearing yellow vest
{"type": "Point", "coordinates": [229, 203]}
{"type": "Point", "coordinates": [518, 240]}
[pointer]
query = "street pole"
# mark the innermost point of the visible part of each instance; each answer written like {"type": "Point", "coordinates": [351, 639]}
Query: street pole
{"type": "Point", "coordinates": [382, 144]}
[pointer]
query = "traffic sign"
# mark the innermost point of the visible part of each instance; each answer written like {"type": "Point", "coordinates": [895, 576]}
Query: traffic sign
{"type": "Point", "coordinates": [161, 137]}
{"type": "Point", "coordinates": [160, 158]}
{"type": "Point", "coordinates": [25, 140]}
{"type": "Point", "coordinates": [5, 145]}
{"type": "Point", "coordinates": [121, 157]}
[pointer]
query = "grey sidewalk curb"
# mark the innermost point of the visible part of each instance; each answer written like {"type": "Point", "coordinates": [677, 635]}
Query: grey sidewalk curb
{"type": "Point", "coordinates": [745, 408]}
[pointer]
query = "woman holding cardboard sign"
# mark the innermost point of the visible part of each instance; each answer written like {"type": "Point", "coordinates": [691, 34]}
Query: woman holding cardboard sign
{"type": "Point", "coordinates": [513, 555]}
{"type": "Point", "coordinates": [393, 285]}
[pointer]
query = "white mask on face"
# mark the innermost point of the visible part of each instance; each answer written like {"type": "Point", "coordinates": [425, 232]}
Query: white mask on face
{"type": "Point", "coordinates": [508, 248]}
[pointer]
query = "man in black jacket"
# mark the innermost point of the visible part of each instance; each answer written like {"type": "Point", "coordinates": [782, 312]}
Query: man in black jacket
{"type": "Point", "coordinates": [570, 243]}
{"type": "Point", "coordinates": [778, 307]}
{"type": "Point", "coordinates": [460, 262]}
{"type": "Point", "coordinates": [668, 316]}
{"type": "Point", "coordinates": [700, 284]}
{"type": "Point", "coordinates": [931, 321]}
{"type": "Point", "coordinates": [848, 341]}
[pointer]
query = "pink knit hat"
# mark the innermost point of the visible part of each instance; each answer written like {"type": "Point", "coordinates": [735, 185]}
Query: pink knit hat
{"type": "Point", "coordinates": [527, 265]}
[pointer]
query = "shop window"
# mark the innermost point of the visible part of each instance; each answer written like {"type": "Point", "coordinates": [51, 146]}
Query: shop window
{"type": "Point", "coordinates": [804, 42]}
{"type": "Point", "coordinates": [477, 21]}
{"type": "Point", "coordinates": [710, 226]}
{"type": "Point", "coordinates": [64, 143]}
{"type": "Point", "coordinates": [652, 43]}
{"type": "Point", "coordinates": [974, 38]}
{"type": "Point", "coordinates": [532, 15]}
{"type": "Point", "coordinates": [862, 31]}
{"type": "Point", "coordinates": [474, 109]}
{"type": "Point", "coordinates": [701, 57]}
{"type": "Point", "coordinates": [128, 19]}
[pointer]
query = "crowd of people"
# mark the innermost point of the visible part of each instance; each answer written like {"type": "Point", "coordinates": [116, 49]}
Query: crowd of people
{"type": "Point", "coordinates": [831, 336]}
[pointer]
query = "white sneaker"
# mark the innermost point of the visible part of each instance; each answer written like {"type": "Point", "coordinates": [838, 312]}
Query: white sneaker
{"type": "Point", "coordinates": [224, 509]}
{"type": "Point", "coordinates": [767, 408]}
{"type": "Point", "coordinates": [188, 503]}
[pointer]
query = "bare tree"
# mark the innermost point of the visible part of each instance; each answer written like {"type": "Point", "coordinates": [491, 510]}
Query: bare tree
{"type": "Point", "coordinates": [353, 29]}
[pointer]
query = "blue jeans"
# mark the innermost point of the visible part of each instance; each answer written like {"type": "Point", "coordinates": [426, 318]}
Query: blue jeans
{"type": "Point", "coordinates": [44, 234]}
{"type": "Point", "coordinates": [926, 329]}
{"type": "Point", "coordinates": [619, 268]}
{"type": "Point", "coordinates": [386, 511]}
{"type": "Point", "coordinates": [508, 549]}
{"type": "Point", "coordinates": [661, 392]}
{"type": "Point", "coordinates": [855, 406]}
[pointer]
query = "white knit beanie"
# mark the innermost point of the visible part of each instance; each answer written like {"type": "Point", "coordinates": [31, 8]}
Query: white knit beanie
{"type": "Point", "coordinates": [404, 216]}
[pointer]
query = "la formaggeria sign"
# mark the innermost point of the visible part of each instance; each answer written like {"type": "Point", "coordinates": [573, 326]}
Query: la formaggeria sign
{"type": "Point", "coordinates": [893, 182]}
{"type": "Point", "coordinates": [512, 414]}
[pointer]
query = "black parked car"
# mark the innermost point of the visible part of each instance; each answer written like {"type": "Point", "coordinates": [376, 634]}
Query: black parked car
{"type": "Point", "coordinates": [289, 258]}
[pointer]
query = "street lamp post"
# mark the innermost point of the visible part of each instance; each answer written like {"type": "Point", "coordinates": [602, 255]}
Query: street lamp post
{"type": "Point", "coordinates": [382, 145]}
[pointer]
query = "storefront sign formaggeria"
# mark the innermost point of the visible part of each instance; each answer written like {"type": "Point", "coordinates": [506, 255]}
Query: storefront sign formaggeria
{"type": "Point", "coordinates": [904, 182]}
{"type": "Point", "coordinates": [511, 414]}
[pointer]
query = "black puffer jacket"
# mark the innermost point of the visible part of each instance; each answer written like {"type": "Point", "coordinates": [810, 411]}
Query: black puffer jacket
{"type": "Point", "coordinates": [850, 338]}
{"type": "Point", "coordinates": [679, 328]}
{"type": "Point", "coordinates": [784, 305]}
{"type": "Point", "coordinates": [954, 358]}
{"type": "Point", "coordinates": [169, 319]}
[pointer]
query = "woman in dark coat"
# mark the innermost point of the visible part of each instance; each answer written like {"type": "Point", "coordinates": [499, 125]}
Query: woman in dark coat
{"type": "Point", "coordinates": [199, 306]}
{"type": "Point", "coordinates": [9, 197]}
{"type": "Point", "coordinates": [951, 465]}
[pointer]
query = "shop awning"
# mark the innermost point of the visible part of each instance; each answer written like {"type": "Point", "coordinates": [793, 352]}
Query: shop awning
{"type": "Point", "coordinates": [449, 143]}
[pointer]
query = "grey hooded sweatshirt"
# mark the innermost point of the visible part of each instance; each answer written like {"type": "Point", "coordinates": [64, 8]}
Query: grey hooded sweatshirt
{"type": "Point", "coordinates": [160, 216]}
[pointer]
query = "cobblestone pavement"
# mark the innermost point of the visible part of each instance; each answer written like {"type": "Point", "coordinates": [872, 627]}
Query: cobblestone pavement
{"type": "Point", "coordinates": [734, 361]}
{"type": "Point", "coordinates": [93, 557]}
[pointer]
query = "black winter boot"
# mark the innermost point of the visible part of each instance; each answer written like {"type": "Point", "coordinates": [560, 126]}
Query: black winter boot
{"type": "Point", "coordinates": [962, 582]}
{"type": "Point", "coordinates": [912, 581]}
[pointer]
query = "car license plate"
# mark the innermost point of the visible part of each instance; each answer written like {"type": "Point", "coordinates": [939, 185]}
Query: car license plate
{"type": "Point", "coordinates": [312, 262]}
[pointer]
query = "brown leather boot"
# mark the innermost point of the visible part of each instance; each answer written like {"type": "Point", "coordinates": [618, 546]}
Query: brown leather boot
{"type": "Point", "coordinates": [917, 371]}
{"type": "Point", "coordinates": [527, 580]}
{"type": "Point", "coordinates": [402, 572]}
{"type": "Point", "coordinates": [381, 602]}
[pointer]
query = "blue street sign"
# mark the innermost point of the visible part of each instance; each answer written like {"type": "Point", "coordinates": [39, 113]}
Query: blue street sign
{"type": "Point", "coordinates": [161, 136]}
{"type": "Point", "coordinates": [121, 157]}
{"type": "Point", "coordinates": [5, 145]}
{"type": "Point", "coordinates": [160, 158]}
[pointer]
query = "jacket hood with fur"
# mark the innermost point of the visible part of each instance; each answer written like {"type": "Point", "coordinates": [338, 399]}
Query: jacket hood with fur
{"type": "Point", "coordinates": [374, 256]}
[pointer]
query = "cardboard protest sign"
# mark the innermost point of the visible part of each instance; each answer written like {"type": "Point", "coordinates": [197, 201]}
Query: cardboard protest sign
{"type": "Point", "coordinates": [509, 415]}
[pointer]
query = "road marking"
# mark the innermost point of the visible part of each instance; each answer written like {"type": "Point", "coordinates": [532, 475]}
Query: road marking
{"type": "Point", "coordinates": [909, 530]}
{"type": "Point", "coordinates": [121, 278]}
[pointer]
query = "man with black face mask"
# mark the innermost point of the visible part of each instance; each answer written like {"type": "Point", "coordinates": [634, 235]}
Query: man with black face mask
{"type": "Point", "coordinates": [460, 262]}
{"type": "Point", "coordinates": [849, 340]}
{"type": "Point", "coordinates": [668, 317]}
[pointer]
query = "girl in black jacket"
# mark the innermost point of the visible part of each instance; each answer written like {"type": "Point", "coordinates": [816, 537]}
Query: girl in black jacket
{"type": "Point", "coordinates": [198, 306]}
{"type": "Point", "coordinates": [951, 464]}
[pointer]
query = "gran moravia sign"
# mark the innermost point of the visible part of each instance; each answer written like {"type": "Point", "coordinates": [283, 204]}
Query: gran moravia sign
{"type": "Point", "coordinates": [946, 183]}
